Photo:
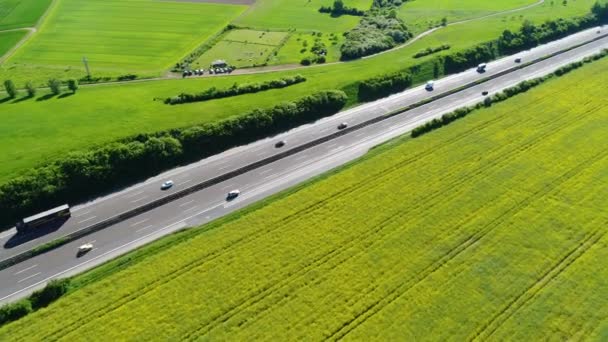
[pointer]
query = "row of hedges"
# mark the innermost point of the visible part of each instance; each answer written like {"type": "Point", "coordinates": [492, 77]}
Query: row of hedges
{"type": "Point", "coordinates": [501, 96]}
{"type": "Point", "coordinates": [384, 85]}
{"type": "Point", "coordinates": [505, 44]}
{"type": "Point", "coordinates": [236, 89]}
{"type": "Point", "coordinates": [39, 299]}
{"type": "Point", "coordinates": [339, 9]}
{"type": "Point", "coordinates": [431, 50]}
{"type": "Point", "coordinates": [79, 176]}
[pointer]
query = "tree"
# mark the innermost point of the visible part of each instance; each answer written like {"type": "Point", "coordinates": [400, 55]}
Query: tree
{"type": "Point", "coordinates": [73, 85]}
{"type": "Point", "coordinates": [31, 90]}
{"type": "Point", "coordinates": [11, 90]}
{"type": "Point", "coordinates": [338, 6]}
{"type": "Point", "coordinates": [55, 86]}
{"type": "Point", "coordinates": [444, 21]}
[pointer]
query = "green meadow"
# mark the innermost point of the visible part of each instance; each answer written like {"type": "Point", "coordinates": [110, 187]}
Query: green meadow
{"type": "Point", "coordinates": [300, 15]}
{"type": "Point", "coordinates": [492, 228]}
{"type": "Point", "coordinates": [243, 48]}
{"type": "Point", "coordinates": [118, 110]}
{"type": "Point", "coordinates": [422, 15]}
{"type": "Point", "coordinates": [21, 13]}
{"type": "Point", "coordinates": [142, 37]}
{"type": "Point", "coordinates": [9, 39]}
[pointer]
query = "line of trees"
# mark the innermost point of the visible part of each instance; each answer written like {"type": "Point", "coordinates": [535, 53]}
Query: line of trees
{"type": "Point", "coordinates": [53, 84]}
{"type": "Point", "coordinates": [528, 36]}
{"type": "Point", "coordinates": [431, 50]}
{"type": "Point", "coordinates": [80, 175]}
{"type": "Point", "coordinates": [338, 8]}
{"type": "Point", "coordinates": [384, 85]}
{"type": "Point", "coordinates": [502, 96]}
{"type": "Point", "coordinates": [380, 29]}
{"type": "Point", "coordinates": [236, 89]}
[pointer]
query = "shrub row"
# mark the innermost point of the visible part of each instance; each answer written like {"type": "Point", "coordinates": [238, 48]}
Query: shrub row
{"type": "Point", "coordinates": [431, 50]}
{"type": "Point", "coordinates": [502, 96]}
{"type": "Point", "coordinates": [79, 176]}
{"type": "Point", "coordinates": [339, 9]}
{"type": "Point", "coordinates": [382, 86]}
{"type": "Point", "coordinates": [39, 299]}
{"type": "Point", "coordinates": [484, 52]}
{"type": "Point", "coordinates": [236, 89]}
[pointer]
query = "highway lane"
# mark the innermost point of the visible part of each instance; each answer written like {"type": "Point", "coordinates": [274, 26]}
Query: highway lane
{"type": "Point", "coordinates": [108, 206]}
{"type": "Point", "coordinates": [210, 203]}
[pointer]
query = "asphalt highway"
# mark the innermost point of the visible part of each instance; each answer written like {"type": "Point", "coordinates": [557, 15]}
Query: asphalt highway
{"type": "Point", "coordinates": [210, 203]}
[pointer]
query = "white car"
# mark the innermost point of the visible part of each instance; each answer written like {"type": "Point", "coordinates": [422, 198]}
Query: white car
{"type": "Point", "coordinates": [166, 185]}
{"type": "Point", "coordinates": [85, 248]}
{"type": "Point", "coordinates": [430, 85]}
{"type": "Point", "coordinates": [233, 194]}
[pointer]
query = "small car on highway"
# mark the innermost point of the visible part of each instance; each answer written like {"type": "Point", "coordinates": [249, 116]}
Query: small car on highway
{"type": "Point", "coordinates": [166, 185]}
{"type": "Point", "coordinates": [343, 125]}
{"type": "Point", "coordinates": [280, 143]}
{"type": "Point", "coordinates": [87, 247]}
{"type": "Point", "coordinates": [518, 60]}
{"type": "Point", "coordinates": [484, 93]}
{"type": "Point", "coordinates": [233, 194]}
{"type": "Point", "coordinates": [430, 85]}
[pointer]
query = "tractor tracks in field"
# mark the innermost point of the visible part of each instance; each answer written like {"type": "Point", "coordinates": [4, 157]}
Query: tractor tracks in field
{"type": "Point", "coordinates": [395, 293]}
{"type": "Point", "coordinates": [376, 232]}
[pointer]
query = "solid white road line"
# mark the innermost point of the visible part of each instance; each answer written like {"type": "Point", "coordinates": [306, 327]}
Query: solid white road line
{"type": "Point", "coordinates": [271, 176]}
{"type": "Point", "coordinates": [7, 234]}
{"type": "Point", "coordinates": [85, 220]}
{"type": "Point", "coordinates": [26, 269]}
{"type": "Point", "coordinates": [139, 222]}
{"type": "Point", "coordinates": [189, 209]}
{"type": "Point", "coordinates": [185, 204]}
{"type": "Point", "coordinates": [26, 278]}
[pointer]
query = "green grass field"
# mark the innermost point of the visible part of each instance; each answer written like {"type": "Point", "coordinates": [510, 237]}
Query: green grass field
{"type": "Point", "coordinates": [299, 15]}
{"type": "Point", "coordinates": [21, 13]}
{"type": "Point", "coordinates": [294, 50]}
{"type": "Point", "coordinates": [119, 36]}
{"type": "Point", "coordinates": [422, 15]}
{"type": "Point", "coordinates": [9, 39]}
{"type": "Point", "coordinates": [115, 111]}
{"type": "Point", "coordinates": [491, 228]}
{"type": "Point", "coordinates": [242, 48]}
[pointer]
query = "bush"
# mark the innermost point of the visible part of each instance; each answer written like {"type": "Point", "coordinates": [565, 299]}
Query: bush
{"type": "Point", "coordinates": [31, 90]}
{"type": "Point", "coordinates": [430, 50]}
{"type": "Point", "coordinates": [381, 86]}
{"type": "Point", "coordinates": [128, 77]}
{"type": "Point", "coordinates": [339, 9]}
{"type": "Point", "coordinates": [306, 61]}
{"type": "Point", "coordinates": [10, 88]}
{"type": "Point", "coordinates": [73, 85]}
{"type": "Point", "coordinates": [79, 176]}
{"type": "Point", "coordinates": [51, 292]}
{"type": "Point", "coordinates": [55, 86]}
{"type": "Point", "coordinates": [14, 311]}
{"type": "Point", "coordinates": [248, 88]}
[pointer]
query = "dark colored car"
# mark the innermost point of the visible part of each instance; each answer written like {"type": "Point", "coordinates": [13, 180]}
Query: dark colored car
{"type": "Point", "coordinates": [484, 93]}
{"type": "Point", "coordinates": [342, 125]}
{"type": "Point", "coordinates": [280, 143]}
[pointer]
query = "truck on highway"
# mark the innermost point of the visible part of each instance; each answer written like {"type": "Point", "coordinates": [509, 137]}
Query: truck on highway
{"type": "Point", "coordinates": [52, 215]}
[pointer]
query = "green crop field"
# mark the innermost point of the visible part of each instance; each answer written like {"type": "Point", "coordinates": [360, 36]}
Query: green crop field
{"type": "Point", "coordinates": [115, 111]}
{"type": "Point", "coordinates": [21, 13]}
{"type": "Point", "coordinates": [119, 36]}
{"type": "Point", "coordinates": [9, 39]}
{"type": "Point", "coordinates": [299, 15]}
{"type": "Point", "coordinates": [491, 228]}
{"type": "Point", "coordinates": [422, 15]}
{"type": "Point", "coordinates": [242, 48]}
